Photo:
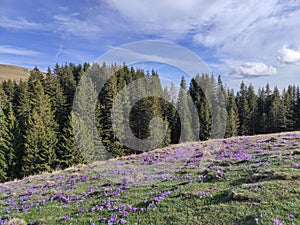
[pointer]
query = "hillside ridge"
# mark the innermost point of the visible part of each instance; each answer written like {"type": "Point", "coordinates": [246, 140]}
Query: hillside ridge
{"type": "Point", "coordinates": [13, 72]}
{"type": "Point", "coordinates": [241, 180]}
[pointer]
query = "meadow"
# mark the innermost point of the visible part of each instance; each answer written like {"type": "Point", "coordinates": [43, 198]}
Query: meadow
{"type": "Point", "coordinates": [13, 72]}
{"type": "Point", "coordinates": [240, 180]}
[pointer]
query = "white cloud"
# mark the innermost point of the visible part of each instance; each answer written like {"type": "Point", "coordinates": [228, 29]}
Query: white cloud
{"type": "Point", "coordinates": [170, 19]}
{"type": "Point", "coordinates": [255, 69]}
{"type": "Point", "coordinates": [230, 33]}
{"type": "Point", "coordinates": [234, 29]}
{"type": "Point", "coordinates": [289, 56]}
{"type": "Point", "coordinates": [87, 28]}
{"type": "Point", "coordinates": [210, 23]}
{"type": "Point", "coordinates": [19, 23]}
{"type": "Point", "coordinates": [72, 25]}
{"type": "Point", "coordinates": [7, 49]}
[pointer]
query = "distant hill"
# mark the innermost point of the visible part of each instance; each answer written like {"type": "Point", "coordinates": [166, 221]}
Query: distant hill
{"type": "Point", "coordinates": [13, 72]}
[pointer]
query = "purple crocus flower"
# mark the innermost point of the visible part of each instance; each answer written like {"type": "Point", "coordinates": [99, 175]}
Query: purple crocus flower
{"type": "Point", "coordinates": [277, 222]}
{"type": "Point", "coordinates": [80, 210]}
{"type": "Point", "coordinates": [66, 217]}
{"type": "Point", "coordinates": [200, 194]}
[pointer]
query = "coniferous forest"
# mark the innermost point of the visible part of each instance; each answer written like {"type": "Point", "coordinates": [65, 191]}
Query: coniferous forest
{"type": "Point", "coordinates": [36, 131]}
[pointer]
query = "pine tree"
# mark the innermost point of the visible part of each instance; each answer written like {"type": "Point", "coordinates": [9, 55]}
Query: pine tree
{"type": "Point", "coordinates": [198, 98]}
{"type": "Point", "coordinates": [261, 112]}
{"type": "Point", "coordinates": [35, 76]}
{"type": "Point", "coordinates": [21, 111]}
{"type": "Point", "coordinates": [168, 112]}
{"type": "Point", "coordinates": [8, 88]}
{"type": "Point", "coordinates": [244, 110]}
{"type": "Point", "coordinates": [119, 123]}
{"type": "Point", "coordinates": [232, 121]}
{"type": "Point", "coordinates": [34, 147]}
{"type": "Point", "coordinates": [4, 142]}
{"type": "Point", "coordinates": [60, 109]}
{"type": "Point", "coordinates": [268, 102]}
{"type": "Point", "coordinates": [185, 114]}
{"type": "Point", "coordinates": [84, 122]}
{"type": "Point", "coordinates": [297, 109]}
{"type": "Point", "coordinates": [252, 102]}
{"type": "Point", "coordinates": [104, 110]}
{"type": "Point", "coordinates": [68, 153]}
{"type": "Point", "coordinates": [68, 85]}
{"type": "Point", "coordinates": [77, 72]}
{"type": "Point", "coordinates": [289, 104]}
{"type": "Point", "coordinates": [40, 136]}
{"type": "Point", "coordinates": [36, 117]}
{"type": "Point", "coordinates": [23, 106]}
{"type": "Point", "coordinates": [161, 129]}
{"type": "Point", "coordinates": [219, 113]}
{"type": "Point", "coordinates": [140, 114]}
{"type": "Point", "coordinates": [14, 139]}
{"type": "Point", "coordinates": [277, 112]}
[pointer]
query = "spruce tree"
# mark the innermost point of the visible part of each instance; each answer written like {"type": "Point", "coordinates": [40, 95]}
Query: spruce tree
{"type": "Point", "coordinates": [289, 104]}
{"type": "Point", "coordinates": [261, 112]}
{"type": "Point", "coordinates": [14, 139]}
{"type": "Point", "coordinates": [268, 102]}
{"type": "Point", "coordinates": [244, 110]}
{"type": "Point", "coordinates": [119, 123]}
{"type": "Point", "coordinates": [168, 112]}
{"type": "Point", "coordinates": [297, 109]}
{"type": "Point", "coordinates": [68, 85]}
{"type": "Point", "coordinates": [140, 114]}
{"type": "Point", "coordinates": [68, 153]}
{"type": "Point", "coordinates": [23, 107]}
{"type": "Point", "coordinates": [202, 91]}
{"type": "Point", "coordinates": [34, 160]}
{"type": "Point", "coordinates": [8, 88]}
{"type": "Point", "coordinates": [185, 114]}
{"type": "Point", "coordinates": [232, 121]}
{"type": "Point", "coordinates": [277, 112]}
{"type": "Point", "coordinates": [104, 110]}
{"type": "Point", "coordinates": [161, 131]}
{"type": "Point", "coordinates": [252, 102]}
{"type": "Point", "coordinates": [40, 136]}
{"type": "Point", "coordinates": [219, 113]}
{"type": "Point", "coordinates": [84, 121]}
{"type": "Point", "coordinates": [4, 142]}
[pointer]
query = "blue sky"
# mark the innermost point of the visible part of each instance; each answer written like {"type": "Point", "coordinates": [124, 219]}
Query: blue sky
{"type": "Point", "coordinates": [255, 41]}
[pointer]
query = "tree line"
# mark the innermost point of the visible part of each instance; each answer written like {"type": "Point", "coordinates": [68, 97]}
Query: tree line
{"type": "Point", "coordinates": [37, 115]}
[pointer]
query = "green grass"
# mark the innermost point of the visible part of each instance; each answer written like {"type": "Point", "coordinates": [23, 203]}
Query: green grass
{"type": "Point", "coordinates": [260, 181]}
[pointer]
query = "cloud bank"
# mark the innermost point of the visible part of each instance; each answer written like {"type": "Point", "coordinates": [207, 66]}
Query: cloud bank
{"type": "Point", "coordinates": [289, 56]}
{"type": "Point", "coordinates": [233, 37]}
{"type": "Point", "coordinates": [7, 49]}
{"type": "Point", "coordinates": [255, 69]}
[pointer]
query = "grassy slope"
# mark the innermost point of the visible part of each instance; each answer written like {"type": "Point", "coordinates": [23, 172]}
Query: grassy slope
{"type": "Point", "coordinates": [234, 181]}
{"type": "Point", "coordinates": [13, 72]}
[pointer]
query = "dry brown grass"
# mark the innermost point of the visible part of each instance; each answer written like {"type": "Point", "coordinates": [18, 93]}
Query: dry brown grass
{"type": "Point", "coordinates": [13, 72]}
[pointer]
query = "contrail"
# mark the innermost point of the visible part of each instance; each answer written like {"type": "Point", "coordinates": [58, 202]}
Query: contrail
{"type": "Point", "coordinates": [59, 51]}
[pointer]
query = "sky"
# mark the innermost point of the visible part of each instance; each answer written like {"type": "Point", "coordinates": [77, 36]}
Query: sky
{"type": "Point", "coordinates": [255, 41]}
